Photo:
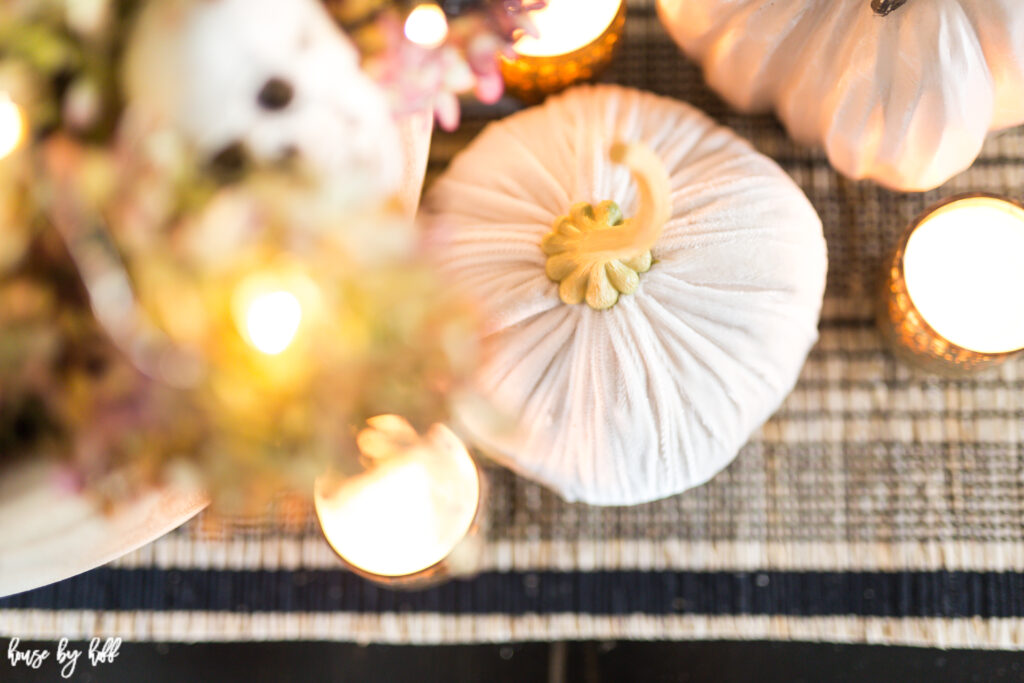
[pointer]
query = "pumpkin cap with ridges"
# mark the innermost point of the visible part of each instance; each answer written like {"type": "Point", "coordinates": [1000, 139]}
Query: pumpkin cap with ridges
{"type": "Point", "coordinates": [593, 253]}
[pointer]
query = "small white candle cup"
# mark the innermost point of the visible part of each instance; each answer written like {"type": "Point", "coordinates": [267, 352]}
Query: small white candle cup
{"type": "Point", "coordinates": [576, 40]}
{"type": "Point", "coordinates": [414, 518]}
{"type": "Point", "coordinates": [952, 300]}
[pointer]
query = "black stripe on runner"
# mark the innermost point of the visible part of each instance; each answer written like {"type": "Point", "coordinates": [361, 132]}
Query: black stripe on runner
{"type": "Point", "coordinates": [883, 594]}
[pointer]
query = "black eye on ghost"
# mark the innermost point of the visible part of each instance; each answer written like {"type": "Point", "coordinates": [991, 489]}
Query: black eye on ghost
{"type": "Point", "coordinates": [276, 94]}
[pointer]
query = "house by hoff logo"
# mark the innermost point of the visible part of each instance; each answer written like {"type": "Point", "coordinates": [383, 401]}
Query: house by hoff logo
{"type": "Point", "coordinates": [64, 656]}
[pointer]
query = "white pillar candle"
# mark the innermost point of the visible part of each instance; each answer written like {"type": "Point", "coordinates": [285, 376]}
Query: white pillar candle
{"type": "Point", "coordinates": [409, 511]}
{"type": "Point", "coordinates": [964, 271]}
{"type": "Point", "coordinates": [564, 26]}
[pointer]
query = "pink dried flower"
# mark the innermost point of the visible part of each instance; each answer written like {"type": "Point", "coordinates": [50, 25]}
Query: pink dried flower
{"type": "Point", "coordinates": [420, 77]}
{"type": "Point", "coordinates": [509, 18]}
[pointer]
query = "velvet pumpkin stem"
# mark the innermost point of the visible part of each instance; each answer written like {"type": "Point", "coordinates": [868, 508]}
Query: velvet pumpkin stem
{"type": "Point", "coordinates": [654, 207]}
{"type": "Point", "coordinates": [593, 254]}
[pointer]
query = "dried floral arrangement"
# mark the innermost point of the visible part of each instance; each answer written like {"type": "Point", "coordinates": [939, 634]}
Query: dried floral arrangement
{"type": "Point", "coordinates": [417, 74]}
{"type": "Point", "coordinates": [209, 277]}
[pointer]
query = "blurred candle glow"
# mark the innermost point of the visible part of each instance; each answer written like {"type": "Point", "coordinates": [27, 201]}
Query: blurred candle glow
{"type": "Point", "coordinates": [410, 510]}
{"type": "Point", "coordinates": [567, 25]}
{"type": "Point", "coordinates": [12, 125]}
{"type": "Point", "coordinates": [275, 305]}
{"type": "Point", "coordinates": [960, 272]}
{"type": "Point", "coordinates": [427, 26]}
{"type": "Point", "coordinates": [272, 321]}
{"type": "Point", "coordinates": [964, 267]}
{"type": "Point", "coordinates": [574, 41]}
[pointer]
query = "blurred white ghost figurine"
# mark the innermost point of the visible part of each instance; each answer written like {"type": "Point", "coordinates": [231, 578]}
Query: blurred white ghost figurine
{"type": "Point", "coordinates": [264, 80]}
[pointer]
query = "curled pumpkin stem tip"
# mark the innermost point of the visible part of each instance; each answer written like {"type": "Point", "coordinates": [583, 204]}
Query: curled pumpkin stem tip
{"type": "Point", "coordinates": [594, 253]}
{"type": "Point", "coordinates": [617, 152]}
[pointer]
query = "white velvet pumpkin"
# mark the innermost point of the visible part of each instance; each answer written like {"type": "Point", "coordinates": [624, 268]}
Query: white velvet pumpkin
{"type": "Point", "coordinates": [902, 92]}
{"type": "Point", "coordinates": [657, 393]}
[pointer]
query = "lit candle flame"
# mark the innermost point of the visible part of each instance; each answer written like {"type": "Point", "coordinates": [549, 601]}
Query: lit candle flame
{"type": "Point", "coordinates": [272, 321]}
{"type": "Point", "coordinates": [564, 26]}
{"type": "Point", "coordinates": [12, 125]}
{"type": "Point", "coordinates": [427, 26]}
{"type": "Point", "coordinates": [411, 509]}
{"type": "Point", "coordinates": [962, 271]}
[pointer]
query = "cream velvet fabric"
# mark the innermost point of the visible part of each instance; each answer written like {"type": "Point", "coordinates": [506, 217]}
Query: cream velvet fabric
{"type": "Point", "coordinates": [658, 393]}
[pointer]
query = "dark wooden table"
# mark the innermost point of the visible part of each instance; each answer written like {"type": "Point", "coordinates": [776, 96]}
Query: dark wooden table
{"type": "Point", "coordinates": [583, 662]}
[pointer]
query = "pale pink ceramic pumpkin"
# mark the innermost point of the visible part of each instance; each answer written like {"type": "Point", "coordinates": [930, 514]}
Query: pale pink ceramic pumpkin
{"type": "Point", "coordinates": [899, 91]}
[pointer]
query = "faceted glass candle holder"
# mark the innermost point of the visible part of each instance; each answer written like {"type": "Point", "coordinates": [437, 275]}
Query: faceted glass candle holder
{"type": "Point", "coordinates": [907, 329]}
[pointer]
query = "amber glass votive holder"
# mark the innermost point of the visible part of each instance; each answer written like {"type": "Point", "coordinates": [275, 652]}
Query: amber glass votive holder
{"type": "Point", "coordinates": [905, 328]}
{"type": "Point", "coordinates": [532, 78]}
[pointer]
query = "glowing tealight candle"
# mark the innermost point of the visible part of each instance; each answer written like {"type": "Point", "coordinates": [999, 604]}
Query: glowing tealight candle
{"type": "Point", "coordinates": [403, 520]}
{"type": "Point", "coordinates": [271, 307]}
{"type": "Point", "coordinates": [272, 321]}
{"type": "Point", "coordinates": [564, 26]}
{"type": "Point", "coordinates": [575, 40]}
{"type": "Point", "coordinates": [427, 26]}
{"type": "Point", "coordinates": [12, 125]}
{"type": "Point", "coordinates": [953, 290]}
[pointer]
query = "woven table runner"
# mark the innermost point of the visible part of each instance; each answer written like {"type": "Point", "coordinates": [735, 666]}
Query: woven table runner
{"type": "Point", "coordinates": [879, 505]}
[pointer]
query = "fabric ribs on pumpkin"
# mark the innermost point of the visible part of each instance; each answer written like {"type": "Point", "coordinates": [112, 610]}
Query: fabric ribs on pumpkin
{"type": "Point", "coordinates": [901, 93]}
{"type": "Point", "coordinates": [657, 393]}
